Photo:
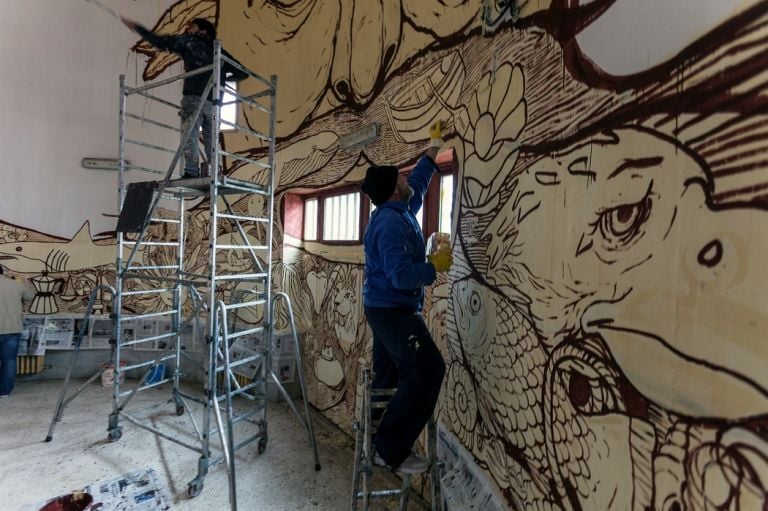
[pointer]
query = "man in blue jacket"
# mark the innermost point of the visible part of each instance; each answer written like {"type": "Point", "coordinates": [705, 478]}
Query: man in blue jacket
{"type": "Point", "coordinates": [396, 271]}
{"type": "Point", "coordinates": [195, 47]}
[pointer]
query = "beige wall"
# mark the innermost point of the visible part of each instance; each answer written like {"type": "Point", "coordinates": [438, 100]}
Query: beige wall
{"type": "Point", "coordinates": [604, 322]}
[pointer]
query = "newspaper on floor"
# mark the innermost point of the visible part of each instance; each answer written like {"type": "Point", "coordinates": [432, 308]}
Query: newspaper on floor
{"type": "Point", "coordinates": [140, 490]}
{"type": "Point", "coordinates": [463, 485]}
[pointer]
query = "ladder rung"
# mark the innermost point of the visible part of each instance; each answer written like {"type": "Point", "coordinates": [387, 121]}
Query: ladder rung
{"type": "Point", "coordinates": [255, 188]}
{"type": "Point", "coordinates": [267, 92]}
{"type": "Point", "coordinates": [245, 304]}
{"type": "Point", "coordinates": [198, 275]}
{"type": "Point", "coordinates": [164, 220]}
{"type": "Point", "coordinates": [238, 418]}
{"type": "Point", "coordinates": [148, 292]}
{"type": "Point", "coordinates": [150, 315]}
{"type": "Point", "coordinates": [245, 99]}
{"type": "Point", "coordinates": [247, 160]}
{"type": "Point", "coordinates": [145, 169]}
{"type": "Point", "coordinates": [244, 218]}
{"type": "Point", "coordinates": [243, 333]}
{"type": "Point", "coordinates": [151, 121]}
{"type": "Point", "coordinates": [141, 92]}
{"type": "Point", "coordinates": [164, 267]}
{"type": "Point", "coordinates": [146, 387]}
{"type": "Point", "coordinates": [257, 134]}
{"type": "Point", "coordinates": [242, 186]}
{"type": "Point", "coordinates": [147, 339]}
{"type": "Point", "coordinates": [244, 416]}
{"type": "Point", "coordinates": [242, 276]}
{"type": "Point", "coordinates": [383, 392]}
{"type": "Point", "coordinates": [242, 391]}
{"type": "Point", "coordinates": [149, 146]}
{"type": "Point", "coordinates": [241, 362]}
{"type": "Point", "coordinates": [379, 493]}
{"type": "Point", "coordinates": [241, 247]}
{"type": "Point", "coordinates": [152, 244]}
{"type": "Point", "coordinates": [148, 362]}
{"type": "Point", "coordinates": [171, 278]}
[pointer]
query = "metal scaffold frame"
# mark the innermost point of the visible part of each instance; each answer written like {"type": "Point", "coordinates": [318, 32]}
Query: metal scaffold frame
{"type": "Point", "coordinates": [217, 297]}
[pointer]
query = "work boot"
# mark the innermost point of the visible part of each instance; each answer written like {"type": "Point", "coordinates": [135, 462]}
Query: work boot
{"type": "Point", "coordinates": [413, 464]}
{"type": "Point", "coordinates": [190, 174]}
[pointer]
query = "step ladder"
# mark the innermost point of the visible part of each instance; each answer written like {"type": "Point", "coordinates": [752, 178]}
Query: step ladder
{"type": "Point", "coordinates": [365, 426]}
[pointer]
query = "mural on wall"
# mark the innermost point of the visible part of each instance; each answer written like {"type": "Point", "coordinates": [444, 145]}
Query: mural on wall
{"type": "Point", "coordinates": [62, 272]}
{"type": "Point", "coordinates": [334, 333]}
{"type": "Point", "coordinates": [606, 320]}
{"type": "Point", "coordinates": [603, 323]}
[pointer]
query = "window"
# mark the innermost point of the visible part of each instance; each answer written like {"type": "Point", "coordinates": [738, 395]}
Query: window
{"type": "Point", "coordinates": [446, 203]}
{"type": "Point", "coordinates": [435, 213]}
{"type": "Point", "coordinates": [419, 216]}
{"type": "Point", "coordinates": [229, 106]}
{"type": "Point", "coordinates": [310, 219]}
{"type": "Point", "coordinates": [332, 216]}
{"type": "Point", "coordinates": [341, 217]}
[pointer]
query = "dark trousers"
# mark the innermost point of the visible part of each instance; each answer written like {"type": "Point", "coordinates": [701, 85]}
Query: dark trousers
{"type": "Point", "coordinates": [189, 105]}
{"type": "Point", "coordinates": [9, 348]}
{"type": "Point", "coordinates": [404, 356]}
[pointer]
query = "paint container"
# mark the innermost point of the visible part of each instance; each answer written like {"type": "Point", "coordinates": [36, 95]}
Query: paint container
{"type": "Point", "coordinates": [108, 374]}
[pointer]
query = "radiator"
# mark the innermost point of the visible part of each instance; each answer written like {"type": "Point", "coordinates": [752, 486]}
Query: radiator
{"type": "Point", "coordinates": [30, 364]}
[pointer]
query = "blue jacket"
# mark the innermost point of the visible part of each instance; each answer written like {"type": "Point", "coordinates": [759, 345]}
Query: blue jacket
{"type": "Point", "coordinates": [396, 269]}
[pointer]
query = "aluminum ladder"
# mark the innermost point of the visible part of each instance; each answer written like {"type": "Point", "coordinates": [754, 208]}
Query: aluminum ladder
{"type": "Point", "coordinates": [364, 427]}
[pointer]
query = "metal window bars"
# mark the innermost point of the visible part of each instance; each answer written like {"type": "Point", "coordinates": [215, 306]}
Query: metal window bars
{"type": "Point", "coordinates": [154, 267]}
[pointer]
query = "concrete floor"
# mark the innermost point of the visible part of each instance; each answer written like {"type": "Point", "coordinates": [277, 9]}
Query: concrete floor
{"type": "Point", "coordinates": [283, 478]}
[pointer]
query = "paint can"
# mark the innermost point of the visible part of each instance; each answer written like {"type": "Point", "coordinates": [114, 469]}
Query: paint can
{"type": "Point", "coordinates": [108, 374]}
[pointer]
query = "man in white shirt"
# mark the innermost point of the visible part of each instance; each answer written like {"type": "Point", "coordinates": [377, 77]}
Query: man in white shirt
{"type": "Point", "coordinates": [12, 293]}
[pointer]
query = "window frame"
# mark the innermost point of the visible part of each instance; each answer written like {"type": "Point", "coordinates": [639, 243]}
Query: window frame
{"type": "Point", "coordinates": [447, 163]}
{"type": "Point", "coordinates": [431, 204]}
{"type": "Point", "coordinates": [234, 85]}
{"type": "Point", "coordinates": [321, 196]}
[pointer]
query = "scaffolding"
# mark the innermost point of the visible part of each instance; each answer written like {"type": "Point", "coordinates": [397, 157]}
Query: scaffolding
{"type": "Point", "coordinates": [222, 291]}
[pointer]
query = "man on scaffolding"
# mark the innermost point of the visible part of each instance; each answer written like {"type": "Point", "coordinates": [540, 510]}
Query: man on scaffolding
{"type": "Point", "coordinates": [195, 47]}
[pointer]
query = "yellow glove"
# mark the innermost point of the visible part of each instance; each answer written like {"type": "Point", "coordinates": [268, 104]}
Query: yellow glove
{"type": "Point", "coordinates": [442, 261]}
{"type": "Point", "coordinates": [436, 130]}
{"type": "Point", "coordinates": [436, 134]}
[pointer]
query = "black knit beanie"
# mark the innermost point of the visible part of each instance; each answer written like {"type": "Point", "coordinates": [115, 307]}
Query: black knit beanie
{"type": "Point", "coordinates": [380, 183]}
